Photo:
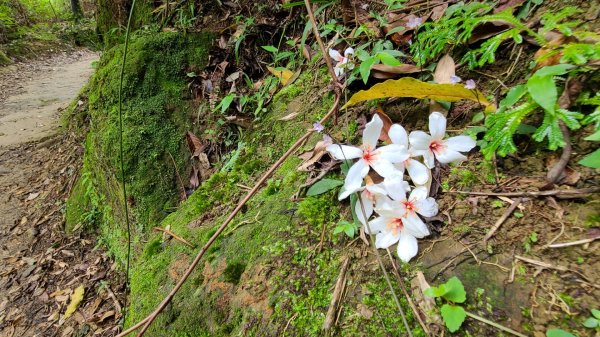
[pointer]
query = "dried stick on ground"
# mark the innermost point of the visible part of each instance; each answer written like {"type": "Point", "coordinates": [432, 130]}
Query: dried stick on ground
{"type": "Point", "coordinates": [174, 236]}
{"type": "Point", "coordinates": [503, 218]}
{"type": "Point", "coordinates": [150, 318]}
{"type": "Point", "coordinates": [534, 194]}
{"type": "Point", "coordinates": [337, 295]}
{"type": "Point", "coordinates": [574, 243]}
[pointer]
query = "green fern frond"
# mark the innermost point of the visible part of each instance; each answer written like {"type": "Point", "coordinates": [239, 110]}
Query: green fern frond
{"type": "Point", "coordinates": [502, 126]}
{"type": "Point", "coordinates": [550, 129]}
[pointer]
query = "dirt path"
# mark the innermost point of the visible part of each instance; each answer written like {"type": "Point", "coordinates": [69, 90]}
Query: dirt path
{"type": "Point", "coordinates": [40, 267]}
{"type": "Point", "coordinates": [45, 89]}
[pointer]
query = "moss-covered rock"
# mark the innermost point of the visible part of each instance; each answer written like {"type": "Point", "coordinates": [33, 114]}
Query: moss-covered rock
{"type": "Point", "coordinates": [155, 112]}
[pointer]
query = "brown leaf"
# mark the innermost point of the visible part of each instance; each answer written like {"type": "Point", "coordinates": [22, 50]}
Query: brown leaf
{"type": "Point", "coordinates": [504, 4]}
{"type": "Point", "coordinates": [488, 29]}
{"type": "Point", "coordinates": [387, 124]}
{"type": "Point", "coordinates": [444, 70]}
{"type": "Point", "coordinates": [194, 181]}
{"type": "Point", "coordinates": [195, 144]}
{"type": "Point", "coordinates": [438, 11]}
{"type": "Point", "coordinates": [312, 157]}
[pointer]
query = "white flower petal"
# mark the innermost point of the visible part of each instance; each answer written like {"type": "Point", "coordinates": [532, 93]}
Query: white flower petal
{"type": "Point", "coordinates": [354, 179]}
{"type": "Point", "coordinates": [460, 143]}
{"type": "Point", "coordinates": [349, 51]}
{"type": "Point", "coordinates": [419, 173]}
{"type": "Point", "coordinates": [334, 54]}
{"type": "Point", "coordinates": [437, 125]}
{"type": "Point", "coordinates": [396, 187]}
{"type": "Point", "coordinates": [408, 247]}
{"type": "Point", "coordinates": [393, 153]}
{"type": "Point", "coordinates": [385, 206]}
{"type": "Point", "coordinates": [414, 226]}
{"type": "Point", "coordinates": [372, 132]}
{"type": "Point", "coordinates": [339, 71]}
{"type": "Point", "coordinates": [383, 167]}
{"type": "Point", "coordinates": [429, 159]}
{"type": "Point", "coordinates": [398, 135]}
{"type": "Point", "coordinates": [347, 190]}
{"type": "Point", "coordinates": [376, 225]}
{"type": "Point", "coordinates": [368, 211]}
{"type": "Point", "coordinates": [450, 156]}
{"type": "Point", "coordinates": [427, 207]}
{"type": "Point", "coordinates": [419, 140]}
{"type": "Point", "coordinates": [386, 239]}
{"type": "Point", "coordinates": [419, 193]}
{"type": "Point", "coordinates": [343, 152]}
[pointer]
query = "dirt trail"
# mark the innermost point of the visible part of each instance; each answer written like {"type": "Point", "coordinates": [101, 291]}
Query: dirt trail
{"type": "Point", "coordinates": [40, 266]}
{"type": "Point", "coordinates": [33, 113]}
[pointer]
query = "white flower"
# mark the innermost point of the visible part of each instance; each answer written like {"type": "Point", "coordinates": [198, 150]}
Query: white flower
{"type": "Point", "coordinates": [455, 79]}
{"type": "Point", "coordinates": [369, 196]}
{"type": "Point", "coordinates": [342, 62]}
{"type": "Point", "coordinates": [381, 159]}
{"type": "Point", "coordinates": [470, 84]}
{"type": "Point", "coordinates": [435, 147]}
{"type": "Point", "coordinates": [414, 22]}
{"type": "Point", "coordinates": [418, 172]}
{"type": "Point", "coordinates": [400, 223]}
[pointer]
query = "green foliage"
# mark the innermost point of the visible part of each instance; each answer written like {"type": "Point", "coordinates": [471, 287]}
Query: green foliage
{"type": "Point", "coordinates": [593, 322]}
{"type": "Point", "coordinates": [453, 292]}
{"type": "Point", "coordinates": [380, 52]}
{"type": "Point", "coordinates": [322, 186]}
{"type": "Point", "coordinates": [593, 159]}
{"type": "Point", "coordinates": [558, 333]}
{"type": "Point", "coordinates": [347, 227]}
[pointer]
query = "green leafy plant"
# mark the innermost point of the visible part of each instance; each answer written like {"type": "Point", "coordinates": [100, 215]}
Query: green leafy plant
{"type": "Point", "coordinates": [453, 293]}
{"type": "Point", "coordinates": [346, 227]}
{"type": "Point", "coordinates": [322, 186]}
{"type": "Point", "coordinates": [381, 52]}
{"type": "Point", "coordinates": [558, 333]}
{"type": "Point", "coordinates": [540, 92]}
{"type": "Point", "coordinates": [593, 159]}
{"type": "Point", "coordinates": [593, 322]}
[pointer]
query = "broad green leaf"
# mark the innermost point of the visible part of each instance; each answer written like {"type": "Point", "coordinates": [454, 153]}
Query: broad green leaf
{"type": "Point", "coordinates": [365, 68]}
{"type": "Point", "coordinates": [558, 333]}
{"type": "Point", "coordinates": [453, 316]}
{"type": "Point", "coordinates": [226, 102]}
{"type": "Point", "coordinates": [455, 291]}
{"type": "Point", "coordinates": [410, 87]}
{"type": "Point", "coordinates": [388, 59]}
{"type": "Point", "coordinates": [543, 91]}
{"type": "Point", "coordinates": [435, 291]}
{"type": "Point", "coordinates": [596, 313]}
{"type": "Point", "coordinates": [270, 49]}
{"type": "Point", "coordinates": [556, 70]}
{"type": "Point", "coordinates": [595, 136]}
{"type": "Point", "coordinates": [514, 95]}
{"type": "Point", "coordinates": [323, 186]}
{"type": "Point", "coordinates": [591, 160]}
{"type": "Point", "coordinates": [590, 323]}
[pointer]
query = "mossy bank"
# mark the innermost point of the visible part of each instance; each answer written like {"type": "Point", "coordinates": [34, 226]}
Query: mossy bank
{"type": "Point", "coordinates": [270, 273]}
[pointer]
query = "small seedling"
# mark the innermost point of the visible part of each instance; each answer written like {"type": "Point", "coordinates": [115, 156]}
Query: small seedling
{"type": "Point", "coordinates": [593, 322]}
{"type": "Point", "coordinates": [347, 227]}
{"type": "Point", "coordinates": [558, 333]}
{"type": "Point", "coordinates": [452, 292]}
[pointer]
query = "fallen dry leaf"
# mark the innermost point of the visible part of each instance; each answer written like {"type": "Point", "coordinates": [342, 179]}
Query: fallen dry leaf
{"type": "Point", "coordinates": [32, 196]}
{"type": "Point", "coordinates": [76, 299]}
{"type": "Point", "coordinates": [411, 87]}
{"type": "Point", "coordinates": [444, 71]}
{"type": "Point", "coordinates": [312, 157]}
{"type": "Point", "coordinates": [195, 144]}
{"type": "Point", "coordinates": [488, 29]}
{"type": "Point", "coordinates": [387, 124]}
{"type": "Point", "coordinates": [283, 74]}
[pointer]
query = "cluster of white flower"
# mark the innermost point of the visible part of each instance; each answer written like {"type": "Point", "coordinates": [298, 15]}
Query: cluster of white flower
{"type": "Point", "coordinates": [397, 217]}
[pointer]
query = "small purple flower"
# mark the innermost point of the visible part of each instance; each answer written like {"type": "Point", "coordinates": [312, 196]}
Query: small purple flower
{"type": "Point", "coordinates": [414, 22]}
{"type": "Point", "coordinates": [455, 79]}
{"type": "Point", "coordinates": [327, 140]}
{"type": "Point", "coordinates": [318, 127]}
{"type": "Point", "coordinates": [470, 84]}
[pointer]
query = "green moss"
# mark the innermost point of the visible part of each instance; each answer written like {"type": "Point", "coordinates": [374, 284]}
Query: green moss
{"type": "Point", "coordinates": [4, 60]}
{"type": "Point", "coordinates": [233, 272]}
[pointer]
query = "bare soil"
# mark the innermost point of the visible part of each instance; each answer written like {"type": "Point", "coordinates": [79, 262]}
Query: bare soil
{"type": "Point", "coordinates": [40, 266]}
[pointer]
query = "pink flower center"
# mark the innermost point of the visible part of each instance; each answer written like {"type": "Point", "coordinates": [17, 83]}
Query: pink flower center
{"type": "Point", "coordinates": [396, 225]}
{"type": "Point", "coordinates": [369, 155]}
{"type": "Point", "coordinates": [436, 146]}
{"type": "Point", "coordinates": [409, 206]}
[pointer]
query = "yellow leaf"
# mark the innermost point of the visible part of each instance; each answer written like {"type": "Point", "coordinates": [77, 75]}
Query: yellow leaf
{"type": "Point", "coordinates": [283, 74]}
{"type": "Point", "coordinates": [76, 299]}
{"type": "Point", "coordinates": [410, 87]}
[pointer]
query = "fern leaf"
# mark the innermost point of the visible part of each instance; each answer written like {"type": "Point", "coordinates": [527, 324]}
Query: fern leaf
{"type": "Point", "coordinates": [501, 128]}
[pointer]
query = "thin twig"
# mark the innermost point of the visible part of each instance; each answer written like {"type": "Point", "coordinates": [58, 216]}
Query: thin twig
{"type": "Point", "coordinates": [494, 324]}
{"type": "Point", "coordinates": [178, 176]}
{"type": "Point", "coordinates": [574, 243]}
{"type": "Point", "coordinates": [111, 294]}
{"type": "Point", "coordinates": [503, 218]}
{"type": "Point", "coordinates": [337, 295]}
{"type": "Point", "coordinates": [533, 194]}
{"type": "Point", "coordinates": [175, 236]}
